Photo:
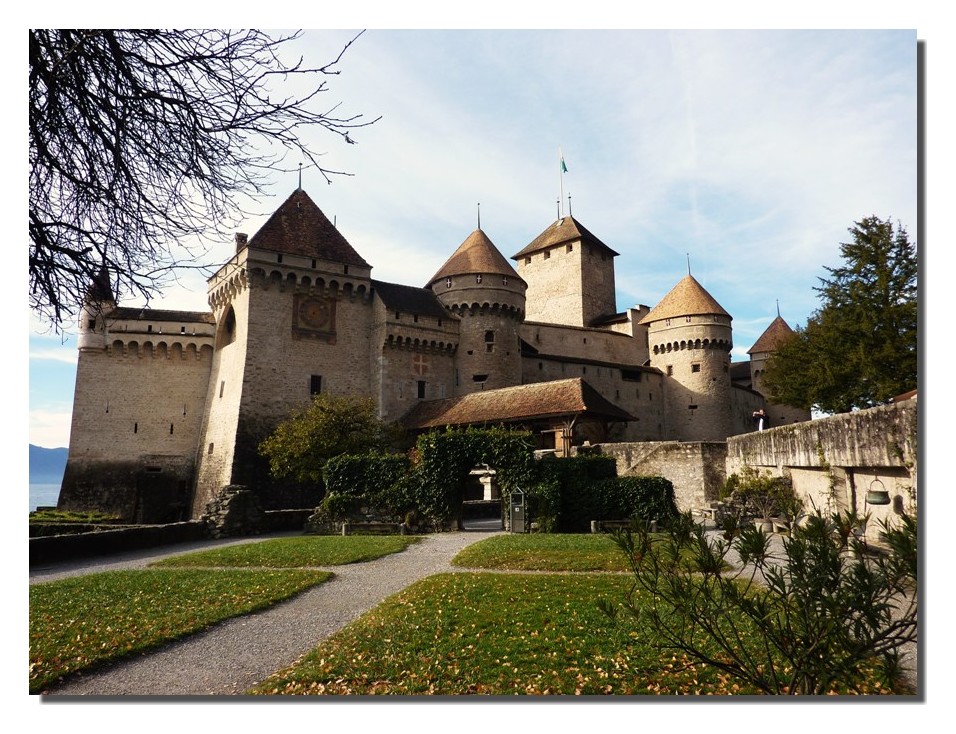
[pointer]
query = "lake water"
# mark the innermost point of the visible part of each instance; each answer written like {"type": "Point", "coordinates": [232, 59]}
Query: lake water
{"type": "Point", "coordinates": [43, 495]}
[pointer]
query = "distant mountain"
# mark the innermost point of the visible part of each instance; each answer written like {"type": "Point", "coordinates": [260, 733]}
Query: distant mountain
{"type": "Point", "coordinates": [46, 465]}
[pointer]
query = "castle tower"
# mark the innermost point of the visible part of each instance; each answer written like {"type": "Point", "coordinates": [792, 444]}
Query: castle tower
{"type": "Point", "coordinates": [778, 332]}
{"type": "Point", "coordinates": [690, 339]}
{"type": "Point", "coordinates": [293, 316]}
{"type": "Point", "coordinates": [570, 275]}
{"type": "Point", "coordinates": [99, 301]}
{"type": "Point", "coordinates": [478, 285]}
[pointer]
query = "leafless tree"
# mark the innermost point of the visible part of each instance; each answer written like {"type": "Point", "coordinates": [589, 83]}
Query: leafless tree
{"type": "Point", "coordinates": [143, 141]}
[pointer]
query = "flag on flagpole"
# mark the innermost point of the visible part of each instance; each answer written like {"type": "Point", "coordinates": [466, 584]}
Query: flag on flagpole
{"type": "Point", "coordinates": [564, 167]}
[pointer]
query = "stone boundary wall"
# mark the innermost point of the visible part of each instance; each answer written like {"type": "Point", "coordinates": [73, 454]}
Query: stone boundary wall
{"type": "Point", "coordinates": [58, 548]}
{"type": "Point", "coordinates": [833, 462]}
{"type": "Point", "coordinates": [695, 469]}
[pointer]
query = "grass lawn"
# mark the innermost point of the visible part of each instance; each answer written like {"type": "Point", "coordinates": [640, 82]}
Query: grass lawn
{"type": "Point", "coordinates": [544, 552]}
{"type": "Point", "coordinates": [296, 552]}
{"type": "Point", "coordinates": [494, 634]}
{"type": "Point", "coordinates": [84, 622]}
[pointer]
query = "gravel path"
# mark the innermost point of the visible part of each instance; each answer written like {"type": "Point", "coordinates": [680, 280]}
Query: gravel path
{"type": "Point", "coordinates": [233, 656]}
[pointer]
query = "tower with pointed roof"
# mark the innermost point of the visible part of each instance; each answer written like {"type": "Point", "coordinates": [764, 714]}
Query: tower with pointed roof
{"type": "Point", "coordinates": [293, 317]}
{"type": "Point", "coordinates": [690, 338]}
{"type": "Point", "coordinates": [774, 335]}
{"type": "Point", "coordinates": [479, 286]}
{"type": "Point", "coordinates": [570, 275]}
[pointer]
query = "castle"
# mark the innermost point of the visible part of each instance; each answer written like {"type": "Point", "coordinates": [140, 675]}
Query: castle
{"type": "Point", "coordinates": [170, 406]}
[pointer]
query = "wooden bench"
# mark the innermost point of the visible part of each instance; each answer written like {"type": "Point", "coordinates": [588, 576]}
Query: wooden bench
{"type": "Point", "coordinates": [373, 528]}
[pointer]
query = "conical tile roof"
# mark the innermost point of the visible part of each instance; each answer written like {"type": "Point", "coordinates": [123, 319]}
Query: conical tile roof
{"type": "Point", "coordinates": [477, 254]}
{"type": "Point", "coordinates": [778, 332]}
{"type": "Point", "coordinates": [687, 298]}
{"type": "Point", "coordinates": [299, 227]}
{"type": "Point", "coordinates": [566, 229]}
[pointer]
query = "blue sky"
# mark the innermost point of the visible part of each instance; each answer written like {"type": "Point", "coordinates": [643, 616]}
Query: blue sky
{"type": "Point", "coordinates": [750, 152]}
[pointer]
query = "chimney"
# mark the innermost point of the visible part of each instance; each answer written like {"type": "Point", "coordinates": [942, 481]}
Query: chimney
{"type": "Point", "coordinates": [241, 239]}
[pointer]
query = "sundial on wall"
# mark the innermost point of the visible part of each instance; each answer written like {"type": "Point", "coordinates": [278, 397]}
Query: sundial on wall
{"type": "Point", "coordinates": [313, 317]}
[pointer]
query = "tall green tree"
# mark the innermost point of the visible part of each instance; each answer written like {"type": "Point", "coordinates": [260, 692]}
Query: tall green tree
{"type": "Point", "coordinates": [859, 348]}
{"type": "Point", "coordinates": [300, 446]}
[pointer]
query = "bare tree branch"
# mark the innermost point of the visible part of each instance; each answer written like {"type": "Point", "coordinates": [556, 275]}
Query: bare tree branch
{"type": "Point", "coordinates": [143, 139]}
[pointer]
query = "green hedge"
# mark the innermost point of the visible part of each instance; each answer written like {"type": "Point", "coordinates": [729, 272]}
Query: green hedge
{"type": "Point", "coordinates": [373, 482]}
{"type": "Point", "coordinates": [571, 492]}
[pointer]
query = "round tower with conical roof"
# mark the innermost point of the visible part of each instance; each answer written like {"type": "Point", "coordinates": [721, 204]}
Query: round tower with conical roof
{"type": "Point", "coordinates": [762, 350]}
{"type": "Point", "coordinates": [478, 285]}
{"type": "Point", "coordinates": [689, 339]}
{"type": "Point", "coordinates": [98, 301]}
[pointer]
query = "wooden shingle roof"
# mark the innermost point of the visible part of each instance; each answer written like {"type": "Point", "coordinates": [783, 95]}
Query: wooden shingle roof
{"type": "Point", "coordinates": [687, 298]}
{"type": "Point", "coordinates": [778, 332]}
{"type": "Point", "coordinates": [564, 230]}
{"type": "Point", "coordinates": [540, 400]}
{"type": "Point", "coordinates": [299, 227]}
{"type": "Point", "coordinates": [477, 254]}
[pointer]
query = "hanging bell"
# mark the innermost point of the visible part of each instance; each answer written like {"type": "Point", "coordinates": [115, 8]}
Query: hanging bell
{"type": "Point", "coordinates": [877, 494]}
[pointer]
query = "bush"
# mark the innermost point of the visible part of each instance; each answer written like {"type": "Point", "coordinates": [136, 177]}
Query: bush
{"type": "Point", "coordinates": [367, 484]}
{"type": "Point", "coordinates": [814, 619]}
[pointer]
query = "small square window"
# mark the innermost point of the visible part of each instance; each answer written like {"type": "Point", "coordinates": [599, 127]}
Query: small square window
{"type": "Point", "coordinates": [695, 367]}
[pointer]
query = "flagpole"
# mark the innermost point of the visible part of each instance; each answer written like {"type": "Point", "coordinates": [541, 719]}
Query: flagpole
{"type": "Point", "coordinates": [561, 183]}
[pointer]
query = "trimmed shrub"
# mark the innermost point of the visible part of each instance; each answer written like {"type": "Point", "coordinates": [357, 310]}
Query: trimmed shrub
{"type": "Point", "coordinates": [367, 484]}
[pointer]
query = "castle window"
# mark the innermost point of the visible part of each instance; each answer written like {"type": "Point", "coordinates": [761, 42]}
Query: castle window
{"type": "Point", "coordinates": [478, 279]}
{"type": "Point", "coordinates": [670, 370]}
{"type": "Point", "coordinates": [695, 367]}
{"type": "Point", "coordinates": [716, 319]}
{"type": "Point", "coordinates": [687, 319]}
{"type": "Point", "coordinates": [222, 386]}
{"type": "Point", "coordinates": [415, 318]}
{"type": "Point", "coordinates": [570, 248]}
{"type": "Point", "coordinates": [170, 429]}
{"type": "Point", "coordinates": [631, 375]}
{"type": "Point", "coordinates": [692, 407]}
{"type": "Point", "coordinates": [504, 280]}
{"type": "Point", "coordinates": [585, 340]}
{"type": "Point", "coordinates": [136, 428]}
{"type": "Point", "coordinates": [540, 365]}
{"type": "Point", "coordinates": [210, 448]}
{"type": "Point", "coordinates": [479, 378]}
{"type": "Point", "coordinates": [667, 322]}
{"type": "Point", "coordinates": [107, 406]}
{"type": "Point", "coordinates": [584, 370]}
{"type": "Point", "coordinates": [182, 329]}
{"type": "Point", "coordinates": [547, 254]}
{"type": "Point", "coordinates": [149, 328]}
{"type": "Point", "coordinates": [527, 261]}
{"type": "Point", "coordinates": [398, 316]}
{"type": "Point", "coordinates": [448, 282]}
{"type": "Point", "coordinates": [439, 322]}
{"type": "Point", "coordinates": [279, 258]}
{"type": "Point", "coordinates": [617, 394]}
{"type": "Point", "coordinates": [346, 269]}
{"type": "Point", "coordinates": [315, 384]}
{"type": "Point", "coordinates": [91, 324]}
{"type": "Point", "coordinates": [421, 389]}
{"type": "Point", "coordinates": [313, 264]}
{"type": "Point", "coordinates": [457, 381]}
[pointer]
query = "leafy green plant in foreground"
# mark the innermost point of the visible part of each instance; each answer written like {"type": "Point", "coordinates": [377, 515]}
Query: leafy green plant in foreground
{"type": "Point", "coordinates": [295, 552]}
{"type": "Point", "coordinates": [818, 617]}
{"type": "Point", "coordinates": [84, 622]}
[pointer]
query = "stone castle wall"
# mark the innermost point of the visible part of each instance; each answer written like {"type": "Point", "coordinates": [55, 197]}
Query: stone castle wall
{"type": "Point", "coordinates": [832, 462]}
